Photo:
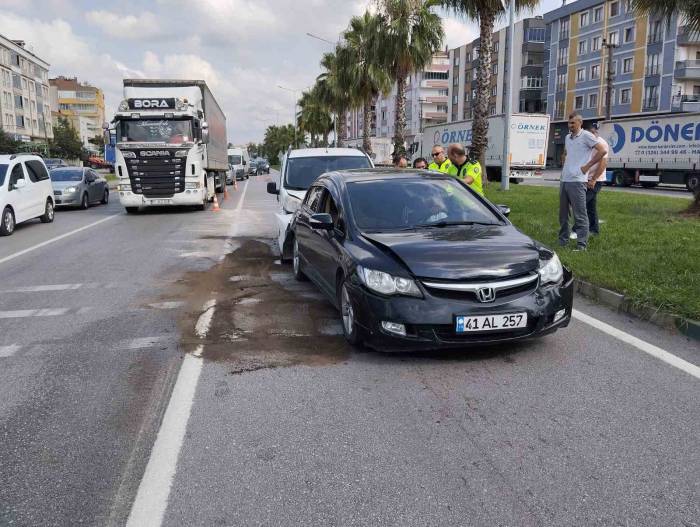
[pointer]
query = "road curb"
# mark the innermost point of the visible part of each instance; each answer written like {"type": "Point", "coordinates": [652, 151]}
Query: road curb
{"type": "Point", "coordinates": [685, 326]}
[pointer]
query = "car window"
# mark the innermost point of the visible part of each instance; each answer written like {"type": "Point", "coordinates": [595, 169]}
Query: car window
{"type": "Point", "coordinates": [67, 175]}
{"type": "Point", "coordinates": [3, 171]}
{"type": "Point", "coordinates": [330, 207]}
{"type": "Point", "coordinates": [36, 170]}
{"type": "Point", "coordinates": [300, 172]}
{"type": "Point", "coordinates": [313, 198]}
{"type": "Point", "coordinates": [16, 175]}
{"type": "Point", "coordinates": [401, 204]}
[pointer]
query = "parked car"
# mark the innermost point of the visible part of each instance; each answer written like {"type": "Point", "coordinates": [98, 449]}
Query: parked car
{"type": "Point", "coordinates": [417, 260]}
{"type": "Point", "coordinates": [78, 187]}
{"type": "Point", "coordinates": [25, 191]}
{"type": "Point", "coordinates": [238, 161]}
{"type": "Point", "coordinates": [54, 162]}
{"type": "Point", "coordinates": [95, 162]}
{"type": "Point", "coordinates": [263, 166]}
{"type": "Point", "coordinates": [252, 168]}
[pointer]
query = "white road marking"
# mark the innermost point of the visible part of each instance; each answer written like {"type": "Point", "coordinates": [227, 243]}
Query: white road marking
{"type": "Point", "coordinates": [141, 342]}
{"type": "Point", "coordinates": [57, 238]}
{"type": "Point", "coordinates": [641, 345]}
{"type": "Point", "coordinates": [8, 351]}
{"type": "Point", "coordinates": [204, 320]}
{"type": "Point", "coordinates": [166, 305]}
{"type": "Point", "coordinates": [42, 288]}
{"type": "Point", "coordinates": [22, 313]}
{"type": "Point", "coordinates": [240, 203]}
{"type": "Point", "coordinates": [154, 489]}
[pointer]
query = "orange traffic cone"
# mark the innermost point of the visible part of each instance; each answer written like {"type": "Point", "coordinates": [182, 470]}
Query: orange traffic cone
{"type": "Point", "coordinates": [225, 190]}
{"type": "Point", "coordinates": [216, 204]}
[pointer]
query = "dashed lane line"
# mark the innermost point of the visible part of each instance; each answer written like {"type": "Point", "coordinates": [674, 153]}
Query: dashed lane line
{"type": "Point", "coordinates": [640, 344]}
{"type": "Point", "coordinates": [8, 351]}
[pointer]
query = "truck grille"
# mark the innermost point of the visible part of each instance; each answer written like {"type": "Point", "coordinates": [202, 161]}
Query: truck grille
{"type": "Point", "coordinates": [155, 173]}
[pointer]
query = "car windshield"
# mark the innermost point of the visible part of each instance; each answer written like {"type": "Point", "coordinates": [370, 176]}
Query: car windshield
{"type": "Point", "coordinates": [421, 203]}
{"type": "Point", "coordinates": [234, 160]}
{"type": "Point", "coordinates": [66, 175]}
{"type": "Point", "coordinates": [3, 171]}
{"type": "Point", "coordinates": [302, 171]}
{"type": "Point", "coordinates": [171, 131]}
{"type": "Point", "coordinates": [52, 162]}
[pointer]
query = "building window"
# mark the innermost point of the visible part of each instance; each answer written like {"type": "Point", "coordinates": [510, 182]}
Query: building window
{"type": "Point", "coordinates": [494, 69]}
{"type": "Point", "coordinates": [627, 65]}
{"type": "Point", "coordinates": [19, 103]}
{"type": "Point", "coordinates": [492, 109]}
{"type": "Point", "coordinates": [613, 37]}
{"type": "Point", "coordinates": [595, 71]}
{"type": "Point", "coordinates": [582, 45]}
{"type": "Point", "coordinates": [563, 56]}
{"type": "Point", "coordinates": [583, 19]}
{"type": "Point", "coordinates": [474, 73]}
{"type": "Point", "coordinates": [535, 34]}
{"type": "Point", "coordinates": [564, 29]}
{"type": "Point", "coordinates": [530, 82]}
{"type": "Point", "coordinates": [559, 110]}
{"type": "Point", "coordinates": [595, 44]}
{"type": "Point", "coordinates": [19, 121]}
{"type": "Point", "coordinates": [629, 35]}
{"type": "Point", "coordinates": [652, 64]}
{"type": "Point", "coordinates": [494, 91]}
{"type": "Point", "coordinates": [454, 99]}
{"type": "Point", "coordinates": [651, 97]}
{"type": "Point", "coordinates": [436, 75]}
{"type": "Point", "coordinates": [598, 14]}
{"type": "Point", "coordinates": [625, 96]}
{"type": "Point", "coordinates": [495, 47]}
{"type": "Point", "coordinates": [655, 31]}
{"type": "Point", "coordinates": [456, 61]}
{"type": "Point", "coordinates": [442, 108]}
{"type": "Point", "coordinates": [561, 82]}
{"type": "Point", "coordinates": [614, 8]}
{"type": "Point", "coordinates": [443, 93]}
{"type": "Point", "coordinates": [593, 101]}
{"type": "Point", "coordinates": [578, 102]}
{"type": "Point", "coordinates": [580, 74]}
{"type": "Point", "coordinates": [612, 96]}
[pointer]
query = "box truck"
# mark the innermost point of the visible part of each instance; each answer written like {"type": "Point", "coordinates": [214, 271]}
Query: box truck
{"type": "Point", "coordinates": [649, 150]}
{"type": "Point", "coordinates": [170, 144]}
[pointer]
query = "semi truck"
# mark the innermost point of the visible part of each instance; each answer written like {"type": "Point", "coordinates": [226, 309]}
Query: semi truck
{"type": "Point", "coordinates": [170, 144]}
{"type": "Point", "coordinates": [654, 149]}
{"type": "Point", "coordinates": [528, 143]}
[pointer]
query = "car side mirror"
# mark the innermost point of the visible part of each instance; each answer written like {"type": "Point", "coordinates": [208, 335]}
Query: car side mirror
{"type": "Point", "coordinates": [244, 163]}
{"type": "Point", "coordinates": [321, 221]}
{"type": "Point", "coordinates": [21, 183]}
{"type": "Point", "coordinates": [272, 188]}
{"type": "Point", "coordinates": [505, 210]}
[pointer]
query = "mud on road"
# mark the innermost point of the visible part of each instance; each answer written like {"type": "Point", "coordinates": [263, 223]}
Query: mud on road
{"type": "Point", "coordinates": [264, 318]}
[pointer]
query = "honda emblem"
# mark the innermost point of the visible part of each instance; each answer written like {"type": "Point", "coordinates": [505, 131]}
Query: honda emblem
{"type": "Point", "coordinates": [486, 294]}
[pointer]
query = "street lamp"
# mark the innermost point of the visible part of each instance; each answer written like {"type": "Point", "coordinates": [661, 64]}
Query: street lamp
{"type": "Point", "coordinates": [295, 92]}
{"type": "Point", "coordinates": [609, 78]}
{"type": "Point", "coordinates": [505, 169]}
{"type": "Point", "coordinates": [335, 115]}
{"type": "Point", "coordinates": [321, 38]}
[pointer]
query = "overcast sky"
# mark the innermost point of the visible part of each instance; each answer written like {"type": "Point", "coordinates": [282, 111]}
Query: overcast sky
{"type": "Point", "coordinates": [244, 49]}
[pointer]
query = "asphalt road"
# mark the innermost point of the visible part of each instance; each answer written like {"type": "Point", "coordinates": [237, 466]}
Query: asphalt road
{"type": "Point", "coordinates": [185, 323]}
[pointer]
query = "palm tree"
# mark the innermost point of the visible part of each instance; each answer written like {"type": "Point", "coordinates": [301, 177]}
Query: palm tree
{"type": "Point", "coordinates": [485, 12]}
{"type": "Point", "coordinates": [689, 10]}
{"type": "Point", "coordinates": [314, 117]}
{"type": "Point", "coordinates": [331, 91]}
{"type": "Point", "coordinates": [360, 67]}
{"type": "Point", "coordinates": [413, 34]}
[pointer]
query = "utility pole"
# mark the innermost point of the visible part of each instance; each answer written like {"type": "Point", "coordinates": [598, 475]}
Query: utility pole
{"type": "Point", "coordinates": [505, 169]}
{"type": "Point", "coordinates": [295, 110]}
{"type": "Point", "coordinates": [610, 77]}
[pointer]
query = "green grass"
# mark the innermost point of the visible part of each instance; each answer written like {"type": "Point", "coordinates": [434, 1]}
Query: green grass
{"type": "Point", "coordinates": [646, 249]}
{"type": "Point", "coordinates": [110, 177]}
{"type": "Point", "coordinates": [275, 167]}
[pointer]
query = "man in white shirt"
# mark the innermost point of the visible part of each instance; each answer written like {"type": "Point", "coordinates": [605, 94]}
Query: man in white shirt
{"type": "Point", "coordinates": [596, 177]}
{"type": "Point", "coordinates": [583, 151]}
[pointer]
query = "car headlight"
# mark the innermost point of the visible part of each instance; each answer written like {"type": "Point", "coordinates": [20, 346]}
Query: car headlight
{"type": "Point", "coordinates": [69, 190]}
{"type": "Point", "coordinates": [291, 204]}
{"type": "Point", "coordinates": [124, 105]}
{"type": "Point", "coordinates": [181, 153]}
{"type": "Point", "coordinates": [128, 154]}
{"type": "Point", "coordinates": [386, 284]}
{"type": "Point", "coordinates": [551, 270]}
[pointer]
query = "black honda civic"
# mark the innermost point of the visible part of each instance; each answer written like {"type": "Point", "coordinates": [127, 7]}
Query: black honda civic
{"type": "Point", "coordinates": [417, 260]}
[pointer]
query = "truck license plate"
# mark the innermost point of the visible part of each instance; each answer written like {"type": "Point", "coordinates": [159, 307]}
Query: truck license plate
{"type": "Point", "coordinates": [160, 202]}
{"type": "Point", "coordinates": [466, 324]}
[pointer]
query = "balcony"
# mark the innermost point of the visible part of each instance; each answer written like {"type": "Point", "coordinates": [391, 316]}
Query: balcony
{"type": "Point", "coordinates": [651, 71]}
{"type": "Point", "coordinates": [689, 103]}
{"type": "Point", "coordinates": [686, 37]}
{"type": "Point", "coordinates": [439, 99]}
{"type": "Point", "coordinates": [687, 69]}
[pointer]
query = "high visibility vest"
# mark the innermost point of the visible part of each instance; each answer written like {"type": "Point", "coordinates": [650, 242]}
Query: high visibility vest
{"type": "Point", "coordinates": [444, 167]}
{"type": "Point", "coordinates": [472, 170]}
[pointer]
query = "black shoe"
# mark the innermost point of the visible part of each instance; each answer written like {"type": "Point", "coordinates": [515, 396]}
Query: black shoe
{"type": "Point", "coordinates": [563, 244]}
{"type": "Point", "coordinates": [580, 249]}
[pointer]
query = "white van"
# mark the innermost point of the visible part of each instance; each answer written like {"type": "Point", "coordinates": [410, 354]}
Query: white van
{"type": "Point", "coordinates": [25, 191]}
{"type": "Point", "coordinates": [300, 168]}
{"type": "Point", "coordinates": [239, 162]}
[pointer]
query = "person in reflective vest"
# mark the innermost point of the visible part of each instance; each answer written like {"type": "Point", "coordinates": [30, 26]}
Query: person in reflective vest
{"type": "Point", "coordinates": [468, 169]}
{"type": "Point", "coordinates": [440, 162]}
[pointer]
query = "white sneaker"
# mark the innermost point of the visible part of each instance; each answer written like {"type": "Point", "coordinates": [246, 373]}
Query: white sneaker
{"type": "Point", "coordinates": [573, 236]}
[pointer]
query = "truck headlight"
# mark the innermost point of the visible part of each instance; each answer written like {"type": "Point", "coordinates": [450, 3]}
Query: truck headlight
{"type": "Point", "coordinates": [128, 154]}
{"type": "Point", "coordinates": [386, 284]}
{"type": "Point", "coordinates": [551, 270]}
{"type": "Point", "coordinates": [124, 105]}
{"type": "Point", "coordinates": [191, 186]}
{"type": "Point", "coordinates": [181, 153]}
{"type": "Point", "coordinates": [124, 188]}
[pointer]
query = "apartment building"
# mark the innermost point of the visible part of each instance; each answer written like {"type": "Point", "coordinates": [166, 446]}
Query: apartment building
{"type": "Point", "coordinates": [24, 92]}
{"type": "Point", "coordinates": [81, 104]}
{"type": "Point", "coordinates": [426, 104]}
{"type": "Point", "coordinates": [655, 64]}
{"type": "Point", "coordinates": [528, 62]}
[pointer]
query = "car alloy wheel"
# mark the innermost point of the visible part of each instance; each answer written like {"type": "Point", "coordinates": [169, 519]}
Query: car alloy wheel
{"type": "Point", "coordinates": [84, 203]}
{"type": "Point", "coordinates": [347, 311]}
{"type": "Point", "coordinates": [296, 263]}
{"type": "Point", "coordinates": [8, 223]}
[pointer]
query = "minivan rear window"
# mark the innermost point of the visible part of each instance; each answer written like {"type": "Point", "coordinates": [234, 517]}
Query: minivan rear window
{"type": "Point", "coordinates": [302, 171]}
{"type": "Point", "coordinates": [3, 171]}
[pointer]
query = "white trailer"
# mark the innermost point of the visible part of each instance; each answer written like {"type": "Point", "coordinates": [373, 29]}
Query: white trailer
{"type": "Point", "coordinates": [654, 149]}
{"type": "Point", "coordinates": [382, 148]}
{"type": "Point", "coordinates": [528, 143]}
{"type": "Point", "coordinates": [170, 144]}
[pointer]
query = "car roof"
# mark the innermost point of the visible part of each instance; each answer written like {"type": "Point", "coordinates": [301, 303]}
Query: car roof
{"type": "Point", "coordinates": [68, 168]}
{"type": "Point", "coordinates": [381, 174]}
{"type": "Point", "coordinates": [326, 152]}
{"type": "Point", "coordinates": [6, 158]}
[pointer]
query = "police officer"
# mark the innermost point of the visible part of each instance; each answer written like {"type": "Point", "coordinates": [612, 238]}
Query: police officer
{"type": "Point", "coordinates": [440, 161]}
{"type": "Point", "coordinates": [468, 169]}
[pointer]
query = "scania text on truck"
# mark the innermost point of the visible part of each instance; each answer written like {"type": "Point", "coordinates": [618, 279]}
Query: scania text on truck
{"type": "Point", "coordinates": [528, 143]}
{"type": "Point", "coordinates": [170, 144]}
{"type": "Point", "coordinates": [652, 150]}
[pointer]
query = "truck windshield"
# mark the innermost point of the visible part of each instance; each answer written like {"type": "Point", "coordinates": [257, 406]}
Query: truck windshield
{"type": "Point", "coordinates": [300, 172]}
{"type": "Point", "coordinates": [234, 160]}
{"type": "Point", "coordinates": [171, 131]}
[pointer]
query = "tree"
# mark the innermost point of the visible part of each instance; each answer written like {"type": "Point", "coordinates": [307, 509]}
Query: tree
{"type": "Point", "coordinates": [99, 142]}
{"type": "Point", "coordinates": [277, 140]}
{"type": "Point", "coordinates": [412, 35]}
{"type": "Point", "coordinates": [66, 142]}
{"type": "Point", "coordinates": [313, 117]}
{"type": "Point", "coordinates": [7, 144]}
{"type": "Point", "coordinates": [361, 68]}
{"type": "Point", "coordinates": [331, 91]}
{"type": "Point", "coordinates": [485, 12]}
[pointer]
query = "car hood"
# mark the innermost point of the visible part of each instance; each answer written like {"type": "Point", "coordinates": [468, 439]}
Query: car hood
{"type": "Point", "coordinates": [471, 252]}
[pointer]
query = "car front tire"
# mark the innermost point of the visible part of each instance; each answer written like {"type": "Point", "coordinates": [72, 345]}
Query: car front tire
{"type": "Point", "coordinates": [48, 215]}
{"type": "Point", "coordinates": [351, 331]}
{"type": "Point", "coordinates": [84, 202]}
{"type": "Point", "coordinates": [296, 263]}
{"type": "Point", "coordinates": [7, 222]}
{"type": "Point", "coordinates": [105, 198]}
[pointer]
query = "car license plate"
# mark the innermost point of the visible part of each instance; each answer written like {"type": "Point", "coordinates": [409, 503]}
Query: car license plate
{"type": "Point", "coordinates": [160, 202]}
{"type": "Point", "coordinates": [466, 324]}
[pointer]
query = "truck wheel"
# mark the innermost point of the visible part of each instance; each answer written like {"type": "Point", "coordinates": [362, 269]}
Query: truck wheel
{"type": "Point", "coordinates": [132, 210]}
{"type": "Point", "coordinates": [692, 182]}
{"type": "Point", "coordinates": [621, 179]}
